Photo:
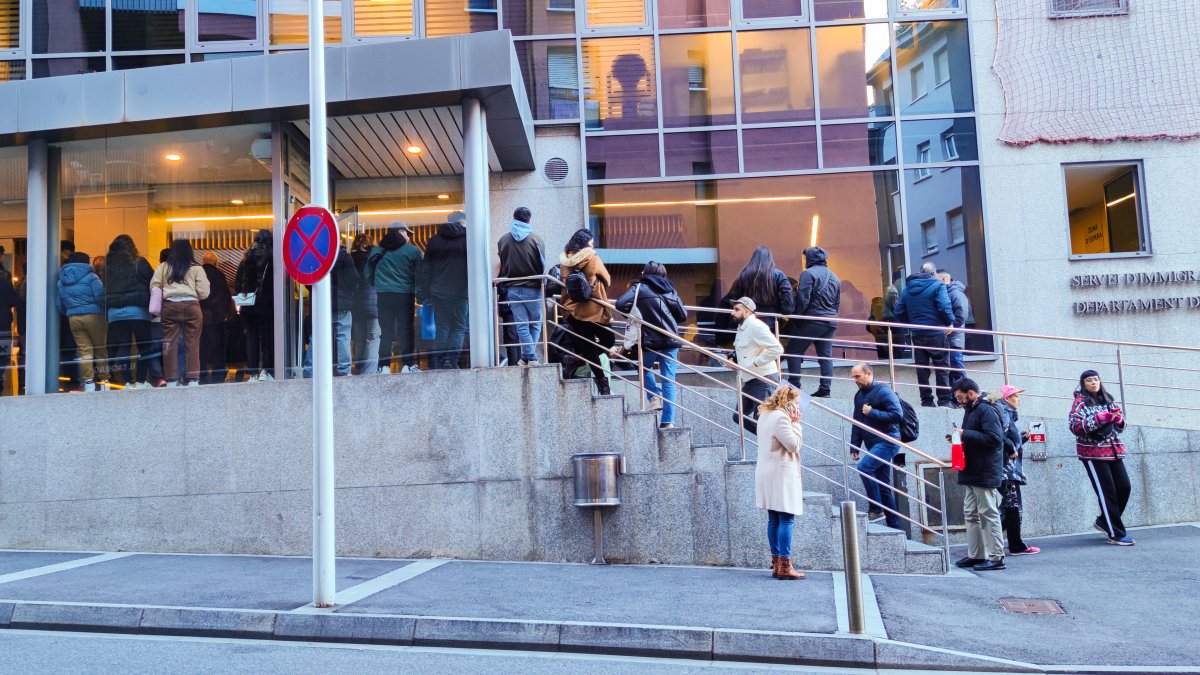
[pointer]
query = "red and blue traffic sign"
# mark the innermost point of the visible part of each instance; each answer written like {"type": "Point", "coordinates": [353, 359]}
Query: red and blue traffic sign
{"type": "Point", "coordinates": [310, 244]}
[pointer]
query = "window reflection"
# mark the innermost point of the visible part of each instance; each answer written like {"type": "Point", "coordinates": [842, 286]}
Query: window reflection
{"type": "Point", "coordinates": [453, 17]}
{"type": "Point", "coordinates": [74, 66]}
{"type": "Point", "coordinates": [927, 5]}
{"type": "Point", "coordinates": [10, 24]}
{"type": "Point", "coordinates": [697, 79]}
{"type": "Point", "coordinates": [373, 18]}
{"type": "Point", "coordinates": [693, 13]}
{"type": "Point", "coordinates": [854, 71]}
{"type": "Point", "coordinates": [539, 17]}
{"type": "Point", "coordinates": [288, 21]}
{"type": "Point", "coordinates": [551, 74]}
{"type": "Point", "coordinates": [128, 62]}
{"type": "Point", "coordinates": [144, 26]}
{"type": "Point", "coordinates": [624, 156]}
{"type": "Point", "coordinates": [776, 73]}
{"type": "Point", "coordinates": [226, 20]}
{"type": "Point", "coordinates": [701, 153]}
{"type": "Point", "coordinates": [614, 13]}
{"type": "Point", "coordinates": [940, 140]}
{"type": "Point", "coordinates": [13, 237]}
{"type": "Point", "coordinates": [619, 75]}
{"type": "Point", "coordinates": [66, 26]}
{"type": "Point", "coordinates": [780, 149]}
{"type": "Point", "coordinates": [849, 145]}
{"type": "Point", "coordinates": [933, 65]}
{"type": "Point", "coordinates": [837, 10]}
{"type": "Point", "coordinates": [12, 70]}
{"type": "Point", "coordinates": [772, 9]}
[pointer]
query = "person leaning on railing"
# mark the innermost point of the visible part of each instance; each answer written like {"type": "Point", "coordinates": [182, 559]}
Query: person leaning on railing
{"type": "Point", "coordinates": [777, 484]}
{"type": "Point", "coordinates": [660, 306]}
{"type": "Point", "coordinates": [758, 351]}
{"type": "Point", "coordinates": [588, 320]}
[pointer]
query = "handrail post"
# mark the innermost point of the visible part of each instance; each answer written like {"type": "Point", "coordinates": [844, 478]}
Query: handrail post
{"type": "Point", "coordinates": [779, 361]}
{"type": "Point", "coordinates": [1004, 356]}
{"type": "Point", "coordinates": [501, 350]}
{"type": "Point", "coordinates": [1121, 378]}
{"type": "Point", "coordinates": [741, 429]}
{"type": "Point", "coordinates": [892, 358]}
{"type": "Point", "coordinates": [545, 325]}
{"type": "Point", "coordinates": [641, 364]}
{"type": "Point", "coordinates": [945, 522]}
{"type": "Point", "coordinates": [845, 465]}
{"type": "Point", "coordinates": [853, 567]}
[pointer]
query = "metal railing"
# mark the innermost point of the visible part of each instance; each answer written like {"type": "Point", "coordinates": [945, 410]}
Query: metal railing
{"type": "Point", "coordinates": [636, 378]}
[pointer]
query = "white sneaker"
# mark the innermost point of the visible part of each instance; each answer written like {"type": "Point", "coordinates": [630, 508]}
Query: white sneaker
{"type": "Point", "coordinates": [103, 386]}
{"type": "Point", "coordinates": [142, 385]}
{"type": "Point", "coordinates": [193, 383]}
{"type": "Point", "coordinates": [410, 369]}
{"type": "Point", "coordinates": [89, 386]}
{"type": "Point", "coordinates": [264, 376]}
{"type": "Point", "coordinates": [131, 386]}
{"type": "Point", "coordinates": [655, 404]}
{"type": "Point", "coordinates": [384, 370]}
{"type": "Point", "coordinates": [172, 383]}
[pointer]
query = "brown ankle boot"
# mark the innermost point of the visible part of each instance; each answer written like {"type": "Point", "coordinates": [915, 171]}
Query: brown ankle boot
{"type": "Point", "coordinates": [786, 571]}
{"type": "Point", "coordinates": [775, 566]}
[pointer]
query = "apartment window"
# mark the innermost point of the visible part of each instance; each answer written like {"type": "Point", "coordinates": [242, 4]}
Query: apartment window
{"type": "Point", "coordinates": [1074, 8]}
{"type": "Point", "coordinates": [941, 66]}
{"type": "Point", "coordinates": [925, 6]}
{"type": "Point", "coordinates": [924, 156]}
{"type": "Point", "coordinates": [958, 228]}
{"type": "Point", "coordinates": [919, 87]}
{"type": "Point", "coordinates": [601, 14]}
{"type": "Point", "coordinates": [754, 10]}
{"type": "Point", "coordinates": [10, 25]}
{"type": "Point", "coordinates": [1105, 210]}
{"type": "Point", "coordinates": [949, 147]}
{"type": "Point", "coordinates": [929, 236]}
{"type": "Point", "coordinates": [378, 18]}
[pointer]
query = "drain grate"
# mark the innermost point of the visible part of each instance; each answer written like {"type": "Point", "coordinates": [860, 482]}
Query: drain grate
{"type": "Point", "coordinates": [1031, 606]}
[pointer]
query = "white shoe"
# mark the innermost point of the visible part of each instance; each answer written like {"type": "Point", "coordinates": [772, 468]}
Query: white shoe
{"type": "Point", "coordinates": [89, 386]}
{"type": "Point", "coordinates": [193, 383]}
{"type": "Point", "coordinates": [172, 383]}
{"type": "Point", "coordinates": [131, 386]}
{"type": "Point", "coordinates": [103, 386]}
{"type": "Point", "coordinates": [142, 385]}
{"type": "Point", "coordinates": [655, 404]}
{"type": "Point", "coordinates": [264, 376]}
{"type": "Point", "coordinates": [410, 369]}
{"type": "Point", "coordinates": [384, 370]}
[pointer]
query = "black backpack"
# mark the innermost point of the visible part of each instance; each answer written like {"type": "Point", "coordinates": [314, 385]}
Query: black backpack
{"type": "Point", "coordinates": [578, 288]}
{"type": "Point", "coordinates": [910, 424]}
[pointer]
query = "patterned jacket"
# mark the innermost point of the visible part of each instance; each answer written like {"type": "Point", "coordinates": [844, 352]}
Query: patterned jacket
{"type": "Point", "coordinates": [1095, 440]}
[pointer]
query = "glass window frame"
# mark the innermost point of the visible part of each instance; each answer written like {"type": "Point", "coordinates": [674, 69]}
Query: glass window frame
{"type": "Point", "coordinates": [1147, 248]}
{"type": "Point", "coordinates": [1122, 9]}
{"type": "Point", "coordinates": [646, 27]}
{"type": "Point", "coordinates": [191, 29]}
{"type": "Point", "coordinates": [24, 31]}
{"type": "Point", "coordinates": [741, 21]}
{"type": "Point", "coordinates": [350, 32]}
{"type": "Point", "coordinates": [899, 13]}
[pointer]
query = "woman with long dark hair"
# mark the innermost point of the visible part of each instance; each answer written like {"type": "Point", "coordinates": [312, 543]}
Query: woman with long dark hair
{"type": "Point", "coordinates": [659, 305]}
{"type": "Point", "coordinates": [184, 284]}
{"type": "Point", "coordinates": [1097, 422]}
{"type": "Point", "coordinates": [765, 284]}
{"type": "Point", "coordinates": [255, 276]}
{"type": "Point", "coordinates": [127, 296]}
{"type": "Point", "coordinates": [588, 319]}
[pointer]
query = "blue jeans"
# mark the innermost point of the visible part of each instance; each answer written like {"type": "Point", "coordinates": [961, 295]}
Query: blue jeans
{"type": "Point", "coordinates": [451, 317]}
{"type": "Point", "coordinates": [364, 333]}
{"type": "Point", "coordinates": [957, 342]}
{"type": "Point", "coordinates": [880, 466]}
{"type": "Point", "coordinates": [341, 343]}
{"type": "Point", "coordinates": [779, 532]}
{"type": "Point", "coordinates": [666, 362]}
{"type": "Point", "coordinates": [526, 307]}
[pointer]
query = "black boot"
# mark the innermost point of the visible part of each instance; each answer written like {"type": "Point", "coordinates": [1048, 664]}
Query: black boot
{"type": "Point", "coordinates": [602, 384]}
{"type": "Point", "coordinates": [821, 393]}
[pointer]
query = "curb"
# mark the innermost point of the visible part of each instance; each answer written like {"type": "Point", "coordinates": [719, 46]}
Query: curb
{"type": "Point", "coordinates": [708, 644]}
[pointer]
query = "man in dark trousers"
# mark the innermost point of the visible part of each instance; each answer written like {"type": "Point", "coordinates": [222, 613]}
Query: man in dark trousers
{"type": "Point", "coordinates": [925, 302]}
{"type": "Point", "coordinates": [216, 308]}
{"type": "Point", "coordinates": [878, 407]}
{"type": "Point", "coordinates": [522, 254]}
{"type": "Point", "coordinates": [444, 285]}
{"type": "Point", "coordinates": [819, 294]}
{"type": "Point", "coordinates": [983, 445]}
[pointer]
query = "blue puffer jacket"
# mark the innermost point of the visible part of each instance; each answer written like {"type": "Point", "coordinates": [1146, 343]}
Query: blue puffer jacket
{"type": "Point", "coordinates": [79, 290]}
{"type": "Point", "coordinates": [885, 416]}
{"type": "Point", "coordinates": [924, 302]}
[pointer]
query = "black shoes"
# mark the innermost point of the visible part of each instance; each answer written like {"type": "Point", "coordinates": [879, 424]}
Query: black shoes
{"type": "Point", "coordinates": [928, 404]}
{"type": "Point", "coordinates": [821, 393]}
{"type": "Point", "coordinates": [969, 562]}
{"type": "Point", "coordinates": [989, 565]}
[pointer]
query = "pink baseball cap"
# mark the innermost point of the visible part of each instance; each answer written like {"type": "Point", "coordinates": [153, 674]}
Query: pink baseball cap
{"type": "Point", "coordinates": [1008, 390]}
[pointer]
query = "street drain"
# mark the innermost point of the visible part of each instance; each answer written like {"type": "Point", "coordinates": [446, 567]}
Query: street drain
{"type": "Point", "coordinates": [1031, 606]}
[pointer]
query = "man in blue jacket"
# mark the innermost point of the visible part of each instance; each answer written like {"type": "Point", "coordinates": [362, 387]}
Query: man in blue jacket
{"type": "Point", "coordinates": [925, 302]}
{"type": "Point", "coordinates": [878, 407]}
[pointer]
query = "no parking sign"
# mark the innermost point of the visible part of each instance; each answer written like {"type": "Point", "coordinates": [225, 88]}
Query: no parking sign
{"type": "Point", "coordinates": [310, 244]}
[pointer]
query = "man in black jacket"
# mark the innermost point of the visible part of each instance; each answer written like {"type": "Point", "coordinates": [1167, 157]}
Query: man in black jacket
{"type": "Point", "coordinates": [443, 284]}
{"type": "Point", "coordinates": [522, 254]}
{"type": "Point", "coordinates": [818, 294]}
{"type": "Point", "coordinates": [660, 307]}
{"type": "Point", "coordinates": [878, 407]}
{"type": "Point", "coordinates": [216, 309]}
{"type": "Point", "coordinates": [983, 445]}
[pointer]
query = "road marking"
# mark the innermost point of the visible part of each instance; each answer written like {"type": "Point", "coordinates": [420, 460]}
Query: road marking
{"type": "Point", "coordinates": [60, 567]}
{"type": "Point", "coordinates": [367, 588]}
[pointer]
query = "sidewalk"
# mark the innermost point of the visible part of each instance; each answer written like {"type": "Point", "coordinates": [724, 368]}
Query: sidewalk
{"type": "Point", "coordinates": [1124, 606]}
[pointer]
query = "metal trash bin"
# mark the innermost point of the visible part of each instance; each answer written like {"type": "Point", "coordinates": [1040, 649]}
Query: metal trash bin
{"type": "Point", "coordinates": [597, 484]}
{"type": "Point", "coordinates": [596, 481]}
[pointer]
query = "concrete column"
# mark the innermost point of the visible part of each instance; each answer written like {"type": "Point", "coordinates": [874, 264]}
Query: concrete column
{"type": "Point", "coordinates": [37, 270]}
{"type": "Point", "coordinates": [479, 263]}
{"type": "Point", "coordinates": [279, 278]}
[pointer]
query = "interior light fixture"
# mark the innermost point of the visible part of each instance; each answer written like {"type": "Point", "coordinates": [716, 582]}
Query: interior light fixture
{"type": "Point", "coordinates": [406, 212]}
{"type": "Point", "coordinates": [705, 202]}
{"type": "Point", "coordinates": [237, 202]}
{"type": "Point", "coordinates": [1114, 202]}
{"type": "Point", "coordinates": [202, 219]}
{"type": "Point", "coordinates": [816, 224]}
{"type": "Point", "coordinates": [173, 157]}
{"type": "Point", "coordinates": [443, 196]}
{"type": "Point", "coordinates": [413, 149]}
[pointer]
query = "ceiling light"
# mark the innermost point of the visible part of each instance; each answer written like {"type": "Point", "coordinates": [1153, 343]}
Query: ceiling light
{"type": "Point", "coordinates": [1114, 202]}
{"type": "Point", "coordinates": [173, 156]}
{"type": "Point", "coordinates": [413, 149]}
{"type": "Point", "coordinates": [705, 202]}
{"type": "Point", "coordinates": [443, 196]}
{"type": "Point", "coordinates": [237, 202]}
{"type": "Point", "coordinates": [406, 212]}
{"type": "Point", "coordinates": [201, 219]}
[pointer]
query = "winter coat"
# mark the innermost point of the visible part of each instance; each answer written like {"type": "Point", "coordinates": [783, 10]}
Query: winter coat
{"type": "Point", "coordinates": [1013, 469]}
{"type": "Point", "coordinates": [660, 306]}
{"type": "Point", "coordinates": [960, 304]}
{"type": "Point", "coordinates": [127, 291]}
{"type": "Point", "coordinates": [983, 445]}
{"type": "Point", "coordinates": [597, 275]}
{"type": "Point", "coordinates": [345, 282]}
{"type": "Point", "coordinates": [444, 273]}
{"type": "Point", "coordinates": [777, 484]}
{"type": "Point", "coordinates": [219, 303]}
{"type": "Point", "coordinates": [396, 270]}
{"type": "Point", "coordinates": [79, 290]}
{"type": "Point", "coordinates": [757, 348]}
{"type": "Point", "coordinates": [819, 292]}
{"type": "Point", "coordinates": [1095, 439]}
{"type": "Point", "coordinates": [193, 288]}
{"type": "Point", "coordinates": [9, 300]}
{"type": "Point", "coordinates": [924, 302]}
{"type": "Point", "coordinates": [522, 254]}
{"type": "Point", "coordinates": [366, 302]}
{"type": "Point", "coordinates": [885, 416]}
{"type": "Point", "coordinates": [783, 302]}
{"type": "Point", "coordinates": [256, 276]}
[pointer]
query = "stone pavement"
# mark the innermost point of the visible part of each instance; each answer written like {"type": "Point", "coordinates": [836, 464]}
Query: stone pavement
{"type": "Point", "coordinates": [1133, 607]}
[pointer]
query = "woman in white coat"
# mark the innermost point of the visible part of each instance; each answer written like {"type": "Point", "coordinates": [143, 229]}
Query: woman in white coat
{"type": "Point", "coordinates": [777, 477]}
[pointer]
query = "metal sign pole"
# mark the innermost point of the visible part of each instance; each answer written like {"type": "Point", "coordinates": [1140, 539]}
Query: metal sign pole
{"type": "Point", "coordinates": [324, 578]}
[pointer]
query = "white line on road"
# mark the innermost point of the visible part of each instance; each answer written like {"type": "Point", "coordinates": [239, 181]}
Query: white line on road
{"type": "Point", "coordinates": [373, 586]}
{"type": "Point", "coordinates": [60, 567]}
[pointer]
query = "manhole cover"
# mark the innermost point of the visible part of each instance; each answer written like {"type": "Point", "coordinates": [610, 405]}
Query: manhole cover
{"type": "Point", "coordinates": [1031, 606]}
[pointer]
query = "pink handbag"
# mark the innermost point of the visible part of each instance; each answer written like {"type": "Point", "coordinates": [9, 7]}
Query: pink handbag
{"type": "Point", "coordinates": [156, 300]}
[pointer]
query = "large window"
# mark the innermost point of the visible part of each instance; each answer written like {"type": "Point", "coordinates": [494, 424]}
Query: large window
{"type": "Point", "coordinates": [551, 74]}
{"type": "Point", "coordinates": [13, 184]}
{"type": "Point", "coordinates": [692, 14]}
{"type": "Point", "coordinates": [226, 20]}
{"type": "Point", "coordinates": [452, 17]}
{"type": "Point", "coordinates": [10, 25]}
{"type": "Point", "coordinates": [776, 72]}
{"type": "Point", "coordinates": [383, 18]}
{"type": "Point", "coordinates": [1105, 209]}
{"type": "Point", "coordinates": [618, 74]}
{"type": "Point", "coordinates": [933, 65]}
{"type": "Point", "coordinates": [607, 14]}
{"type": "Point", "coordinates": [854, 71]}
{"type": "Point", "coordinates": [288, 21]}
{"type": "Point", "coordinates": [67, 26]}
{"type": "Point", "coordinates": [697, 79]}
{"type": "Point", "coordinates": [537, 17]}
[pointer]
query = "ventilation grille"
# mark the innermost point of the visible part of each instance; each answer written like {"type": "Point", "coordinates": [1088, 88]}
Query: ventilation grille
{"type": "Point", "coordinates": [556, 170]}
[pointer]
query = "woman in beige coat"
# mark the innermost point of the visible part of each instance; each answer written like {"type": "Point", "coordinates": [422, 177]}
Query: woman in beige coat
{"type": "Point", "coordinates": [777, 485]}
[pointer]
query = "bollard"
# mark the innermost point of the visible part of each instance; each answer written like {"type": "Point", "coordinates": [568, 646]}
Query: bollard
{"type": "Point", "coordinates": [853, 567]}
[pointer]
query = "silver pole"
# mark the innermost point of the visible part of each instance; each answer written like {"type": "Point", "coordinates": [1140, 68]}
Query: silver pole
{"type": "Point", "coordinates": [853, 567]}
{"type": "Point", "coordinates": [642, 373]}
{"type": "Point", "coordinates": [945, 522]}
{"type": "Point", "coordinates": [892, 360]}
{"type": "Point", "coordinates": [1121, 378]}
{"type": "Point", "coordinates": [479, 263]}
{"type": "Point", "coordinates": [598, 532]}
{"type": "Point", "coordinates": [845, 466]}
{"type": "Point", "coordinates": [741, 430]}
{"type": "Point", "coordinates": [324, 575]}
{"type": "Point", "coordinates": [37, 271]}
{"type": "Point", "coordinates": [545, 325]}
{"type": "Point", "coordinates": [1004, 356]}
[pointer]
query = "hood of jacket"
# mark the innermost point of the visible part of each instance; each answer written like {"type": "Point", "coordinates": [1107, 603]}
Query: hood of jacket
{"type": "Point", "coordinates": [520, 230]}
{"type": "Point", "coordinates": [919, 284]}
{"type": "Point", "coordinates": [658, 284]}
{"type": "Point", "coordinates": [957, 285]}
{"type": "Point", "coordinates": [576, 259]}
{"type": "Point", "coordinates": [452, 230]}
{"type": "Point", "coordinates": [73, 273]}
{"type": "Point", "coordinates": [815, 256]}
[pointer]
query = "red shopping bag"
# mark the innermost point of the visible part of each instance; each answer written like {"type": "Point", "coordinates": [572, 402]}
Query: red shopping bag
{"type": "Point", "coordinates": [958, 459]}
